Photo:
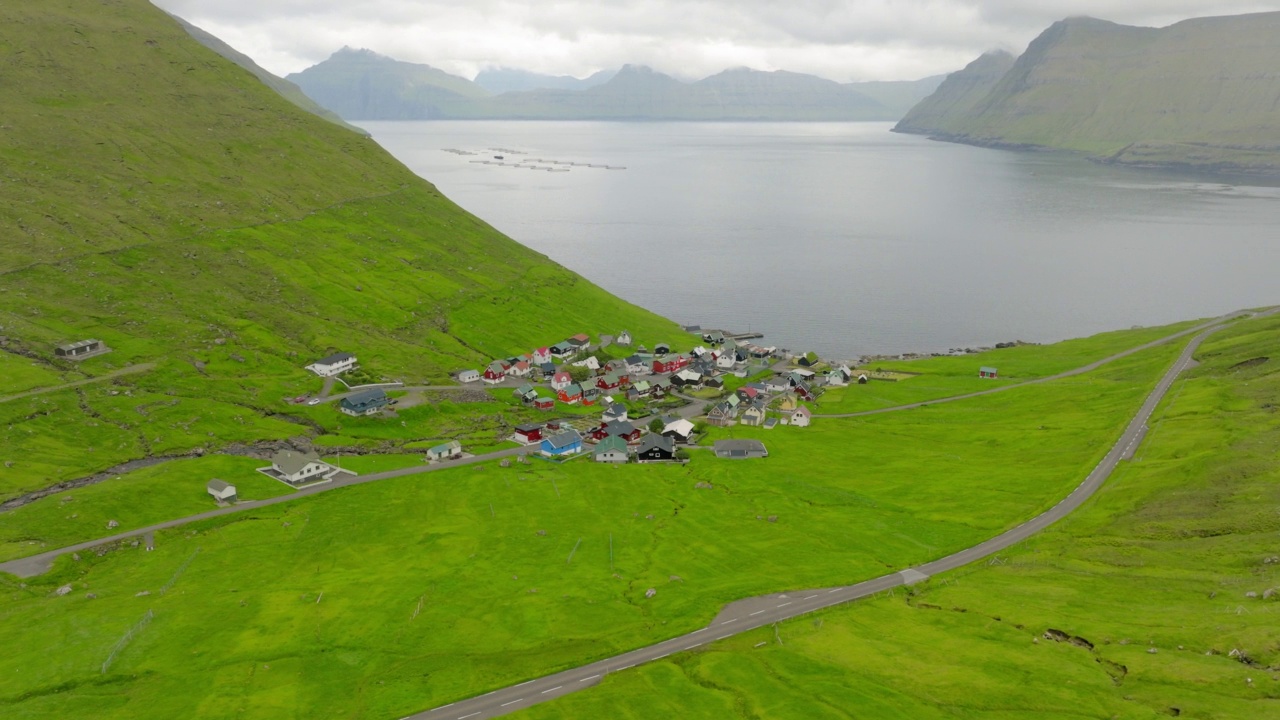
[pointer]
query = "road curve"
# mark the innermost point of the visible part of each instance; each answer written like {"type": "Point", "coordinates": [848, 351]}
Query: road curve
{"type": "Point", "coordinates": [753, 613]}
{"type": "Point", "coordinates": [1216, 322]}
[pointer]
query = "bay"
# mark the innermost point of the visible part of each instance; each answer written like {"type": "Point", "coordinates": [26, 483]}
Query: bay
{"type": "Point", "coordinates": [847, 239]}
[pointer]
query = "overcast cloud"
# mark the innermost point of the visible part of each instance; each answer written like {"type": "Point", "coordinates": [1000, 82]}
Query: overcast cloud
{"type": "Point", "coordinates": [839, 39]}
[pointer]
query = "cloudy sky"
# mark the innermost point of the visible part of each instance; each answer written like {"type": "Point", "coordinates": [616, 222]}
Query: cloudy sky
{"type": "Point", "coordinates": [838, 39]}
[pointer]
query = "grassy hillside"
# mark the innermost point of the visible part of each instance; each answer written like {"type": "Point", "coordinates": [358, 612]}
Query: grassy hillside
{"type": "Point", "coordinates": [957, 95]}
{"type": "Point", "coordinates": [165, 201]}
{"type": "Point", "coordinates": [291, 92]}
{"type": "Point", "coordinates": [1200, 93]}
{"type": "Point", "coordinates": [376, 601]}
{"type": "Point", "coordinates": [1162, 580]}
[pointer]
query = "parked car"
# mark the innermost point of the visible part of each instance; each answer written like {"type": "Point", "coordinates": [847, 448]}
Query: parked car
{"type": "Point", "coordinates": [313, 401]}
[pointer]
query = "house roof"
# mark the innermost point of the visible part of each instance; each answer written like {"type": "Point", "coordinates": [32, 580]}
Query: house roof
{"type": "Point", "coordinates": [77, 344]}
{"type": "Point", "coordinates": [217, 485]}
{"type": "Point", "coordinates": [612, 442]}
{"type": "Point", "coordinates": [616, 409]}
{"type": "Point", "coordinates": [681, 427]}
{"type": "Point", "coordinates": [365, 399]}
{"type": "Point", "coordinates": [561, 376]}
{"type": "Point", "coordinates": [497, 366]}
{"type": "Point", "coordinates": [525, 389]}
{"type": "Point", "coordinates": [641, 386]}
{"type": "Point", "coordinates": [754, 410]}
{"type": "Point", "coordinates": [573, 389]}
{"type": "Point", "coordinates": [619, 427]}
{"type": "Point", "coordinates": [564, 439]}
{"type": "Point", "coordinates": [652, 441]}
{"type": "Point", "coordinates": [468, 372]}
{"type": "Point", "coordinates": [333, 359]}
{"type": "Point", "coordinates": [291, 461]}
{"type": "Point", "coordinates": [740, 448]}
{"type": "Point", "coordinates": [580, 337]}
{"type": "Point", "coordinates": [689, 375]}
{"type": "Point", "coordinates": [988, 370]}
{"type": "Point", "coordinates": [802, 410]}
{"type": "Point", "coordinates": [528, 427]}
{"type": "Point", "coordinates": [446, 447]}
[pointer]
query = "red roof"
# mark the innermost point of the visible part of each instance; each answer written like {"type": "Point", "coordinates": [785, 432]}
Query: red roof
{"type": "Point", "coordinates": [561, 376]}
{"type": "Point", "coordinates": [580, 336]}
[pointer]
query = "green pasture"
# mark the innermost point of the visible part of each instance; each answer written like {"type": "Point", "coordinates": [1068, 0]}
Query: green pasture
{"type": "Point", "coordinates": [1155, 573]}
{"type": "Point", "coordinates": [379, 600]}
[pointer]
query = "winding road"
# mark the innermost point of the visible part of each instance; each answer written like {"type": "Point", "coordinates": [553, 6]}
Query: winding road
{"type": "Point", "coordinates": [752, 613]}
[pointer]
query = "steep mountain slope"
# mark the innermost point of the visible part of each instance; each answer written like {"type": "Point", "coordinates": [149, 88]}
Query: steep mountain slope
{"type": "Point", "coordinates": [957, 95]}
{"type": "Point", "coordinates": [161, 199]}
{"type": "Point", "coordinates": [291, 92]}
{"type": "Point", "coordinates": [898, 96]}
{"type": "Point", "coordinates": [1202, 93]}
{"type": "Point", "coordinates": [363, 85]}
{"type": "Point", "coordinates": [500, 80]}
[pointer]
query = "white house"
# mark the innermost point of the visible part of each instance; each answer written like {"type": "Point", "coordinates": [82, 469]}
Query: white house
{"type": "Point", "coordinates": [333, 365]}
{"type": "Point", "coordinates": [296, 468]}
{"type": "Point", "coordinates": [726, 361]}
{"type": "Point", "coordinates": [541, 355]}
{"type": "Point", "coordinates": [777, 383]}
{"type": "Point", "coordinates": [679, 430]}
{"type": "Point", "coordinates": [624, 338]}
{"type": "Point", "coordinates": [801, 417]}
{"type": "Point", "coordinates": [616, 411]}
{"type": "Point", "coordinates": [561, 380]}
{"type": "Point", "coordinates": [221, 491]}
{"type": "Point", "coordinates": [447, 451]}
{"type": "Point", "coordinates": [637, 366]}
{"type": "Point", "coordinates": [469, 376]}
{"type": "Point", "coordinates": [590, 363]}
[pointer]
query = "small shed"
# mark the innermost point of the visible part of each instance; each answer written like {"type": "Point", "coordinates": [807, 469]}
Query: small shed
{"type": "Point", "coordinates": [545, 403]}
{"type": "Point", "coordinates": [989, 373]}
{"type": "Point", "coordinates": [527, 434]}
{"type": "Point", "coordinates": [221, 491]}
{"type": "Point", "coordinates": [447, 451]}
{"type": "Point", "coordinates": [740, 449]}
{"type": "Point", "coordinates": [80, 349]}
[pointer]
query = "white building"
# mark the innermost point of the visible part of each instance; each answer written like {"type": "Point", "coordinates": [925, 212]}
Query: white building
{"type": "Point", "coordinates": [296, 468]}
{"type": "Point", "coordinates": [801, 417]}
{"type": "Point", "coordinates": [333, 365]}
{"type": "Point", "coordinates": [221, 491]}
{"type": "Point", "coordinates": [469, 376]}
{"type": "Point", "coordinates": [449, 450]}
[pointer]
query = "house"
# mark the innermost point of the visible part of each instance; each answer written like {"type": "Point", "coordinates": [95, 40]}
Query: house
{"type": "Point", "coordinates": [726, 361]}
{"type": "Point", "coordinates": [636, 365]}
{"type": "Point", "coordinates": [546, 369]}
{"type": "Point", "coordinates": [620, 428]}
{"type": "Point", "coordinates": [799, 376]}
{"type": "Point", "coordinates": [722, 414]}
{"type": "Point", "coordinates": [714, 383]}
{"type": "Point", "coordinates": [777, 384]}
{"type": "Point", "coordinates": [296, 468]}
{"type": "Point", "coordinates": [988, 372]}
{"type": "Point", "coordinates": [591, 363]}
{"type": "Point", "coordinates": [495, 373]}
{"type": "Point", "coordinates": [526, 393]}
{"type": "Point", "coordinates": [561, 380]}
{"type": "Point", "coordinates": [740, 449]}
{"type": "Point", "coordinates": [617, 365]}
{"type": "Point", "coordinates": [747, 393]}
{"type": "Point", "coordinates": [570, 394]}
{"type": "Point", "coordinates": [661, 349]}
{"type": "Point", "coordinates": [808, 359]}
{"type": "Point", "coordinates": [733, 401]}
{"type": "Point", "coordinates": [520, 369]}
{"type": "Point", "coordinates": [789, 403]}
{"type": "Point", "coordinates": [335, 364]}
{"type": "Point", "coordinates": [659, 388]}
{"type": "Point", "coordinates": [616, 411]}
{"type": "Point", "coordinates": [363, 403]}
{"type": "Point", "coordinates": [579, 341]}
{"type": "Point", "coordinates": [448, 451]}
{"type": "Point", "coordinates": [678, 430]}
{"type": "Point", "coordinates": [221, 491]}
{"type": "Point", "coordinates": [563, 349]}
{"type": "Point", "coordinates": [656, 448]}
{"type": "Point", "coordinates": [686, 378]}
{"type": "Point", "coordinates": [544, 403]}
{"type": "Point", "coordinates": [839, 377]}
{"type": "Point", "coordinates": [715, 337]}
{"type": "Point", "coordinates": [527, 434]}
{"type": "Point", "coordinates": [804, 391]}
{"type": "Point", "coordinates": [556, 426]}
{"type": "Point", "coordinates": [611, 381]}
{"type": "Point", "coordinates": [82, 349]}
{"type": "Point", "coordinates": [770, 423]}
{"type": "Point", "coordinates": [624, 339]}
{"type": "Point", "coordinates": [642, 388]}
{"type": "Point", "coordinates": [664, 364]}
{"type": "Point", "coordinates": [611, 450]}
{"type": "Point", "coordinates": [469, 376]}
{"type": "Point", "coordinates": [590, 395]}
{"type": "Point", "coordinates": [566, 443]}
{"type": "Point", "coordinates": [753, 416]}
{"type": "Point", "coordinates": [698, 352]}
{"type": "Point", "coordinates": [862, 379]}
{"type": "Point", "coordinates": [801, 417]}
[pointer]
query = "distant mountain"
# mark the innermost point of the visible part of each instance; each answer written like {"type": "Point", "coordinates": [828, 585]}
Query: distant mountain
{"type": "Point", "coordinates": [501, 80]}
{"type": "Point", "coordinates": [1202, 93]}
{"type": "Point", "coordinates": [290, 91]}
{"type": "Point", "coordinates": [898, 96]}
{"type": "Point", "coordinates": [363, 85]}
{"type": "Point", "coordinates": [958, 94]}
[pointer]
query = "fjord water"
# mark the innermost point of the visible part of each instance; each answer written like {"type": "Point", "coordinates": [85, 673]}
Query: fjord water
{"type": "Point", "coordinates": [848, 239]}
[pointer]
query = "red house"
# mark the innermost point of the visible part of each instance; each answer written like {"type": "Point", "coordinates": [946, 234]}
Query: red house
{"type": "Point", "coordinates": [612, 381]}
{"type": "Point", "coordinates": [988, 373]}
{"type": "Point", "coordinates": [570, 394]}
{"type": "Point", "coordinates": [544, 403]}
{"type": "Point", "coordinates": [670, 363]}
{"type": "Point", "coordinates": [528, 433]}
{"type": "Point", "coordinates": [495, 373]}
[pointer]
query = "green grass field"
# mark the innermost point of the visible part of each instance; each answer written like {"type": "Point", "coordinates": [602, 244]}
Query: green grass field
{"type": "Point", "coordinates": [1154, 572]}
{"type": "Point", "coordinates": [439, 586]}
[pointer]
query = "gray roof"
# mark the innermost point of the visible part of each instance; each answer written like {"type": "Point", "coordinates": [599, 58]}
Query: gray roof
{"type": "Point", "coordinates": [335, 358]}
{"type": "Point", "coordinates": [78, 344]}
{"type": "Point", "coordinates": [740, 448]}
{"type": "Point", "coordinates": [292, 461]}
{"type": "Point", "coordinates": [611, 443]}
{"type": "Point", "coordinates": [529, 427]}
{"type": "Point", "coordinates": [217, 485]}
{"type": "Point", "coordinates": [564, 439]}
{"type": "Point", "coordinates": [365, 399]}
{"type": "Point", "coordinates": [446, 447]}
{"type": "Point", "coordinates": [651, 441]}
{"type": "Point", "coordinates": [616, 409]}
{"type": "Point", "coordinates": [619, 427]}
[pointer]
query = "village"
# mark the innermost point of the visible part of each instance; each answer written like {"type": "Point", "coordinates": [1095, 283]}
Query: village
{"type": "Point", "coordinates": [654, 404]}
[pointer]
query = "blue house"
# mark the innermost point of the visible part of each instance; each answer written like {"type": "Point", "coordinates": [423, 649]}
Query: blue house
{"type": "Point", "coordinates": [568, 442]}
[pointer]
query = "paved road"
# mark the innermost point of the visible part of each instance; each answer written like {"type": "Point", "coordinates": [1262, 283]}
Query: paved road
{"type": "Point", "coordinates": [130, 370]}
{"type": "Point", "coordinates": [1050, 378]}
{"type": "Point", "coordinates": [752, 613]}
{"type": "Point", "coordinates": [37, 564]}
